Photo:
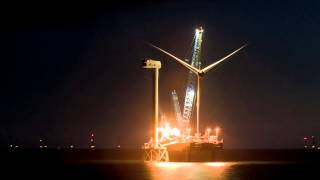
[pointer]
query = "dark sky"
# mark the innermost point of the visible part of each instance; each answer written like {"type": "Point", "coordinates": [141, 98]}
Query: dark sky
{"type": "Point", "coordinates": [71, 69]}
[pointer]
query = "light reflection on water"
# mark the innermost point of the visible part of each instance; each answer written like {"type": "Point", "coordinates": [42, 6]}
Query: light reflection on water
{"type": "Point", "coordinates": [189, 170]}
{"type": "Point", "coordinates": [180, 170]}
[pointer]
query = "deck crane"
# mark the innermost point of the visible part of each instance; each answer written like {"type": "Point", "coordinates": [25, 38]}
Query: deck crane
{"type": "Point", "coordinates": [190, 91]}
{"type": "Point", "coordinates": [177, 110]}
{"type": "Point", "coordinates": [183, 120]}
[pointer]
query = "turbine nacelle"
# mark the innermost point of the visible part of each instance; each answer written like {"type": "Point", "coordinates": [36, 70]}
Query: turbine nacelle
{"type": "Point", "coordinates": [151, 64]}
{"type": "Point", "coordinates": [201, 74]}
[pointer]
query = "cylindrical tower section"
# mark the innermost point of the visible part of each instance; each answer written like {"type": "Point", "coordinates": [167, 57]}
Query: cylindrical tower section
{"type": "Point", "coordinates": [156, 106]}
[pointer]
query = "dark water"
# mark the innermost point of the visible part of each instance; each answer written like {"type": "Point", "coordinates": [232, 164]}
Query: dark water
{"type": "Point", "coordinates": [170, 170]}
{"type": "Point", "coordinates": [88, 164]}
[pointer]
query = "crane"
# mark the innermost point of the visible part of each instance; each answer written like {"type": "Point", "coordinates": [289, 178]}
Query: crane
{"type": "Point", "coordinates": [177, 110]}
{"type": "Point", "coordinates": [183, 120]}
{"type": "Point", "coordinates": [190, 90]}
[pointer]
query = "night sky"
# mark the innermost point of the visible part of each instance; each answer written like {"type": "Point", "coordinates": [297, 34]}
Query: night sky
{"type": "Point", "coordinates": [68, 70]}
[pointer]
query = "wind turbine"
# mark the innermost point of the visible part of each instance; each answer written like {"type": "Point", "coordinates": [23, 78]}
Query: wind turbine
{"type": "Point", "coordinates": [199, 72]}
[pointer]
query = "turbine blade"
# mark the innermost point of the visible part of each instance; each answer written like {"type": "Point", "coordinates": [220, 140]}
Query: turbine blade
{"type": "Point", "coordinates": [193, 69]}
{"type": "Point", "coordinates": [206, 69]}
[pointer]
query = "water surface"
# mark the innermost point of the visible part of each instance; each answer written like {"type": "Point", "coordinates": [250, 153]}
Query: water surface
{"type": "Point", "coordinates": [188, 170]}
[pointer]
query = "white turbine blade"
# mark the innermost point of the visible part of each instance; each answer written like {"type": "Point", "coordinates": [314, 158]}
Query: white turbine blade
{"type": "Point", "coordinates": [193, 69]}
{"type": "Point", "coordinates": [206, 69]}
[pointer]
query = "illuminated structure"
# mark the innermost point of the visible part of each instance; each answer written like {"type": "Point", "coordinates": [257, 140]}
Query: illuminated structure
{"type": "Point", "coordinates": [180, 122]}
{"type": "Point", "coordinates": [92, 144]}
{"type": "Point", "coordinates": [42, 144]}
{"type": "Point", "coordinates": [190, 91]}
{"type": "Point", "coordinates": [173, 138]}
{"type": "Point", "coordinates": [310, 142]}
{"type": "Point", "coordinates": [305, 140]}
{"type": "Point", "coordinates": [313, 140]}
{"type": "Point", "coordinates": [154, 151]}
{"type": "Point", "coordinates": [199, 72]}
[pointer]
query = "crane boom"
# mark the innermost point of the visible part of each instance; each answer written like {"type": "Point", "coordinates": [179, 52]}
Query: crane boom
{"type": "Point", "coordinates": [190, 90]}
{"type": "Point", "coordinates": [175, 101]}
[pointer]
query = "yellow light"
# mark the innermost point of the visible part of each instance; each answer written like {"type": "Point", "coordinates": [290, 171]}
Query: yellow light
{"type": "Point", "coordinates": [215, 164]}
{"type": "Point", "coordinates": [168, 133]}
{"type": "Point", "coordinates": [172, 164]}
{"type": "Point", "coordinates": [176, 132]}
{"type": "Point", "coordinates": [208, 129]}
{"type": "Point", "coordinates": [186, 170]}
{"type": "Point", "coordinates": [217, 132]}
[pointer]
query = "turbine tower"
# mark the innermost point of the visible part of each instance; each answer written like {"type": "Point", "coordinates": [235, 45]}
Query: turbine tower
{"type": "Point", "coordinates": [199, 72]}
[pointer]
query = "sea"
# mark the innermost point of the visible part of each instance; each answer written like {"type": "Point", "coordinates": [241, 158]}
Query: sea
{"type": "Point", "coordinates": [166, 170]}
{"type": "Point", "coordinates": [23, 167]}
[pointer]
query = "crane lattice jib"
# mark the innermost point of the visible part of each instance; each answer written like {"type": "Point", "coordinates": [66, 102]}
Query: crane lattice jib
{"type": "Point", "coordinates": [191, 85]}
{"type": "Point", "coordinates": [177, 109]}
